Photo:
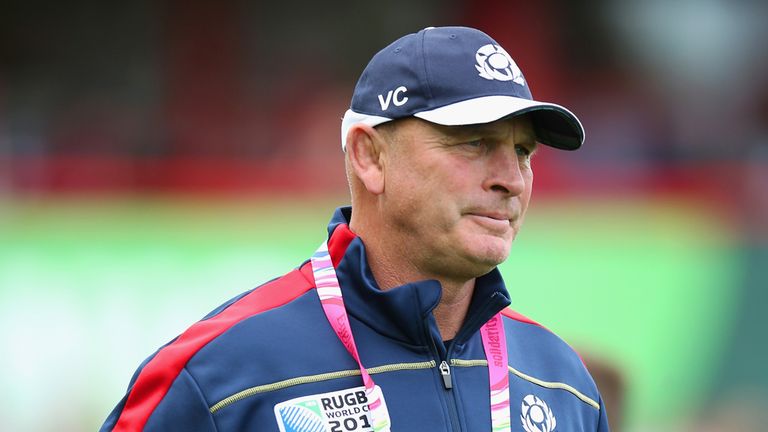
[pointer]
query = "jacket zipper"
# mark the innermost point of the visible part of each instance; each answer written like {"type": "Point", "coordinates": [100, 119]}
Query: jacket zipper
{"type": "Point", "coordinates": [445, 373]}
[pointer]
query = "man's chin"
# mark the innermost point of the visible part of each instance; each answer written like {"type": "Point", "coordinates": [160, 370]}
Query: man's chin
{"type": "Point", "coordinates": [489, 252]}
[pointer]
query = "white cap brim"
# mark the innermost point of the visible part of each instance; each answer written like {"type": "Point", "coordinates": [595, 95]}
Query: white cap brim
{"type": "Point", "coordinates": [555, 125]}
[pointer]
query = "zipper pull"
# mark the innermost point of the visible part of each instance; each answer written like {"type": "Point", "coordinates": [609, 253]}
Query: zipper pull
{"type": "Point", "coordinates": [445, 371]}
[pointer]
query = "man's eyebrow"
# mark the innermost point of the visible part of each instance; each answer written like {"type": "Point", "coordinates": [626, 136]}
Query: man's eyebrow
{"type": "Point", "coordinates": [462, 131]}
{"type": "Point", "coordinates": [469, 130]}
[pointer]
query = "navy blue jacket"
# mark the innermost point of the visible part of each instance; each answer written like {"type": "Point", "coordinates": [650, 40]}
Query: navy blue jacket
{"type": "Point", "coordinates": [273, 345]}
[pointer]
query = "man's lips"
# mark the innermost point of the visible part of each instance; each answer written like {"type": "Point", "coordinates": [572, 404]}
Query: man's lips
{"type": "Point", "coordinates": [494, 221]}
{"type": "Point", "coordinates": [492, 215]}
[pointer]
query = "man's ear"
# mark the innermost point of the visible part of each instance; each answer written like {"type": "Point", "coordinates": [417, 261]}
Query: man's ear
{"type": "Point", "coordinates": [364, 150]}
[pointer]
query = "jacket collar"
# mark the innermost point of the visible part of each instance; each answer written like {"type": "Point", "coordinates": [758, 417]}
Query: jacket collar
{"type": "Point", "coordinates": [403, 313]}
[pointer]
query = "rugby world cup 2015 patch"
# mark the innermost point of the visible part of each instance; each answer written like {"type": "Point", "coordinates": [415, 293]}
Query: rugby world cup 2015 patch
{"type": "Point", "coordinates": [340, 411]}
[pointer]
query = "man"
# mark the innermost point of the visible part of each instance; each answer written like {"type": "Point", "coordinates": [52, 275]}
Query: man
{"type": "Point", "coordinates": [399, 321]}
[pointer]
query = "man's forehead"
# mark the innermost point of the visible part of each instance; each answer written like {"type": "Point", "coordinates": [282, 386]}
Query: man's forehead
{"type": "Point", "coordinates": [520, 126]}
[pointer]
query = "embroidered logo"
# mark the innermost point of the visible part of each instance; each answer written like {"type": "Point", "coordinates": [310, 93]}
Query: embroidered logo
{"type": "Point", "coordinates": [339, 411]}
{"type": "Point", "coordinates": [536, 415]}
{"type": "Point", "coordinates": [494, 63]}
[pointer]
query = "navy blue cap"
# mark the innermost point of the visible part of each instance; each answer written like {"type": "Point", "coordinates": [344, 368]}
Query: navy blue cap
{"type": "Point", "coordinates": [453, 76]}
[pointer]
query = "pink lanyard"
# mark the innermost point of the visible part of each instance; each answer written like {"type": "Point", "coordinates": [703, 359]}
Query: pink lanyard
{"type": "Point", "coordinates": [492, 333]}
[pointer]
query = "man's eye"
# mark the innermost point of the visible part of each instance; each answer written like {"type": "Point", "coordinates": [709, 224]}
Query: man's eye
{"type": "Point", "coordinates": [522, 150]}
{"type": "Point", "coordinates": [475, 143]}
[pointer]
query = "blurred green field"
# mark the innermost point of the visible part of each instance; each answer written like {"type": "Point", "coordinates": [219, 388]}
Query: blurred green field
{"type": "Point", "coordinates": [89, 288]}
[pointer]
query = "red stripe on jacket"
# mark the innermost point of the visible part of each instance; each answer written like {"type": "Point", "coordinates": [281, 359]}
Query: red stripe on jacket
{"type": "Point", "coordinates": [509, 313]}
{"type": "Point", "coordinates": [157, 376]}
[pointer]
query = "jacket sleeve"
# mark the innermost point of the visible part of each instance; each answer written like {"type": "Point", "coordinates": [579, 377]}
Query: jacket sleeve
{"type": "Point", "coordinates": [183, 408]}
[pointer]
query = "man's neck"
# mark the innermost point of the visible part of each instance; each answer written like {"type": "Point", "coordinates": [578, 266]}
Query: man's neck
{"type": "Point", "coordinates": [453, 307]}
{"type": "Point", "coordinates": [392, 268]}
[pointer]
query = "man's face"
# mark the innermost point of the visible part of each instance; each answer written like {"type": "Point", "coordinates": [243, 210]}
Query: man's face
{"type": "Point", "coordinates": [458, 194]}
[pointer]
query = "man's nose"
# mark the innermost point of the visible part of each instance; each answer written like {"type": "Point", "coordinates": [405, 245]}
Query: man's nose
{"type": "Point", "coordinates": [505, 171]}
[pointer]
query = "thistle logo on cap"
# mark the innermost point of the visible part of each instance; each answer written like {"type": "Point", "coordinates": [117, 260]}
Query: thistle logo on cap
{"type": "Point", "coordinates": [494, 63]}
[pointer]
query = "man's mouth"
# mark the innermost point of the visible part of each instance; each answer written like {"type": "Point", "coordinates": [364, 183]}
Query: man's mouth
{"type": "Point", "coordinates": [494, 221]}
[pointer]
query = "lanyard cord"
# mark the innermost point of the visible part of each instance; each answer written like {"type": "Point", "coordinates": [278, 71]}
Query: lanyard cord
{"type": "Point", "coordinates": [495, 347]}
{"type": "Point", "coordinates": [492, 333]}
{"type": "Point", "coordinates": [333, 304]}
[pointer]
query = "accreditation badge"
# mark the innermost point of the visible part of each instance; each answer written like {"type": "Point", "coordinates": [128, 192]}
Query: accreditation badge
{"type": "Point", "coordinates": [339, 411]}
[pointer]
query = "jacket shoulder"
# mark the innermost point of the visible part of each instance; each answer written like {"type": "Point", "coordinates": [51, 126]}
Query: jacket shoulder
{"type": "Point", "coordinates": [155, 377]}
{"type": "Point", "coordinates": [540, 356]}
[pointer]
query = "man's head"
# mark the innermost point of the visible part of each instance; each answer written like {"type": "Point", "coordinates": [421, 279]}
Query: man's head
{"type": "Point", "coordinates": [438, 143]}
{"type": "Point", "coordinates": [453, 76]}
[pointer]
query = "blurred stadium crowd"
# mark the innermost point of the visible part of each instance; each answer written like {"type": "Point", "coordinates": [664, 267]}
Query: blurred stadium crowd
{"type": "Point", "coordinates": [238, 98]}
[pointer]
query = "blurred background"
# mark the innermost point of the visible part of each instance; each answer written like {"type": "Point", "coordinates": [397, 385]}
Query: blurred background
{"type": "Point", "coordinates": [160, 157]}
